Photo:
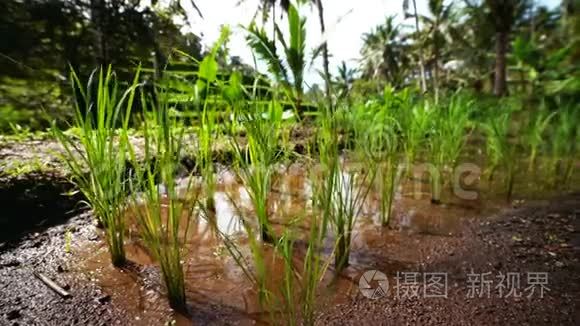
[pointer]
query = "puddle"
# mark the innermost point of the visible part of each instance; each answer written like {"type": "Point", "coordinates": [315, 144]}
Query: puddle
{"type": "Point", "coordinates": [217, 287]}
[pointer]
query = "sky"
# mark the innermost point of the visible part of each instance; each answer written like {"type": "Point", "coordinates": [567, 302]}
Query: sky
{"type": "Point", "coordinates": [346, 22]}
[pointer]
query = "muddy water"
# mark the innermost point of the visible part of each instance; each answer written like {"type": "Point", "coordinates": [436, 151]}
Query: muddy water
{"type": "Point", "coordinates": [218, 290]}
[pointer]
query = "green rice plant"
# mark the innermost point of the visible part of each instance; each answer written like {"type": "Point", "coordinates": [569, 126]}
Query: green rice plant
{"type": "Point", "coordinates": [163, 217]}
{"type": "Point", "coordinates": [564, 144]}
{"type": "Point", "coordinates": [385, 139]}
{"type": "Point", "coordinates": [534, 136]}
{"type": "Point", "coordinates": [343, 193]}
{"type": "Point", "coordinates": [254, 162]}
{"type": "Point", "coordinates": [97, 157]}
{"type": "Point", "coordinates": [377, 135]}
{"type": "Point", "coordinates": [207, 132]}
{"type": "Point", "coordinates": [301, 280]}
{"type": "Point", "coordinates": [415, 122]}
{"type": "Point", "coordinates": [500, 151]}
{"type": "Point", "coordinates": [314, 266]}
{"type": "Point", "coordinates": [350, 193]}
{"type": "Point", "coordinates": [447, 139]}
{"type": "Point", "coordinates": [295, 295]}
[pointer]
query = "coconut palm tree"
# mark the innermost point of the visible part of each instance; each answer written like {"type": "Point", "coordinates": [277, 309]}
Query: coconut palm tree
{"type": "Point", "coordinates": [421, 58]}
{"type": "Point", "coordinates": [383, 53]}
{"type": "Point", "coordinates": [438, 33]}
{"type": "Point", "coordinates": [503, 14]}
{"type": "Point", "coordinates": [343, 81]}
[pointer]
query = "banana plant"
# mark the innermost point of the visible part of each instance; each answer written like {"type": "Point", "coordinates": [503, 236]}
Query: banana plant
{"type": "Point", "coordinates": [287, 66]}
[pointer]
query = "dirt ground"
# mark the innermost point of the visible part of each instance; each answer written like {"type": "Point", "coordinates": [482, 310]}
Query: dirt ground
{"type": "Point", "coordinates": [537, 237]}
{"type": "Point", "coordinates": [540, 236]}
{"type": "Point", "coordinates": [43, 230]}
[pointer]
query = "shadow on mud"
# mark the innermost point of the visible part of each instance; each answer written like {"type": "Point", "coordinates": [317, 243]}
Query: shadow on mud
{"type": "Point", "coordinates": [33, 203]}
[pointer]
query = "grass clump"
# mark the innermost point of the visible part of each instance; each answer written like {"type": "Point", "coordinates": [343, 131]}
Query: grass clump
{"type": "Point", "coordinates": [97, 157]}
{"type": "Point", "coordinates": [564, 145]}
{"type": "Point", "coordinates": [500, 151]}
{"type": "Point", "coordinates": [163, 217]}
{"type": "Point", "coordinates": [254, 161]}
{"type": "Point", "coordinates": [446, 139]}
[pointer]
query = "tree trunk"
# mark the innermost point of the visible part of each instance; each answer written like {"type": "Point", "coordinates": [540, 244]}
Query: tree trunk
{"type": "Point", "coordinates": [98, 20]}
{"type": "Point", "coordinates": [500, 83]}
{"type": "Point", "coordinates": [436, 68]}
{"type": "Point", "coordinates": [324, 51]}
{"type": "Point", "coordinates": [421, 62]}
{"type": "Point", "coordinates": [159, 59]}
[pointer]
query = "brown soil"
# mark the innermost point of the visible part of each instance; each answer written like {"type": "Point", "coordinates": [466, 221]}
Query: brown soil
{"type": "Point", "coordinates": [456, 238]}
{"type": "Point", "coordinates": [541, 236]}
{"type": "Point", "coordinates": [43, 231]}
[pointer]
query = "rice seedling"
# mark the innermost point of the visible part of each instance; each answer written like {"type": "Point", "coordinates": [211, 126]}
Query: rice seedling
{"type": "Point", "coordinates": [206, 132]}
{"type": "Point", "coordinates": [163, 217]}
{"type": "Point", "coordinates": [206, 137]}
{"type": "Point", "coordinates": [535, 134]}
{"type": "Point", "coordinates": [500, 151]}
{"type": "Point", "coordinates": [415, 121]}
{"type": "Point", "coordinates": [97, 158]}
{"type": "Point", "coordinates": [388, 164]}
{"type": "Point", "coordinates": [301, 280]}
{"type": "Point", "coordinates": [447, 139]}
{"type": "Point", "coordinates": [254, 163]}
{"type": "Point", "coordinates": [376, 131]}
{"type": "Point", "coordinates": [342, 193]}
{"type": "Point", "coordinates": [564, 146]}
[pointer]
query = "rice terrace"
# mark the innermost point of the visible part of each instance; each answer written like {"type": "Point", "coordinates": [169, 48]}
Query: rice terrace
{"type": "Point", "coordinates": [304, 162]}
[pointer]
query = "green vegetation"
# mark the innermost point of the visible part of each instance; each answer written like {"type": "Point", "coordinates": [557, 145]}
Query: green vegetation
{"type": "Point", "coordinates": [97, 159]}
{"type": "Point", "coordinates": [500, 149]}
{"type": "Point", "coordinates": [163, 216]}
{"type": "Point", "coordinates": [429, 96]}
{"type": "Point", "coordinates": [447, 137]}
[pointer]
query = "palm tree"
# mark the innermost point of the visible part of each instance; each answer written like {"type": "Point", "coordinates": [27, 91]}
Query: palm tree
{"type": "Point", "coordinates": [289, 69]}
{"type": "Point", "coordinates": [383, 53]}
{"type": "Point", "coordinates": [324, 48]}
{"type": "Point", "coordinates": [438, 32]}
{"type": "Point", "coordinates": [421, 62]}
{"type": "Point", "coordinates": [343, 81]}
{"type": "Point", "coordinates": [270, 5]}
{"type": "Point", "coordinates": [503, 14]}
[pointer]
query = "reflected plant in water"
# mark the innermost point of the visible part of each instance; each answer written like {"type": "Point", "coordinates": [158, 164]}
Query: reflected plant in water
{"type": "Point", "coordinates": [97, 157]}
